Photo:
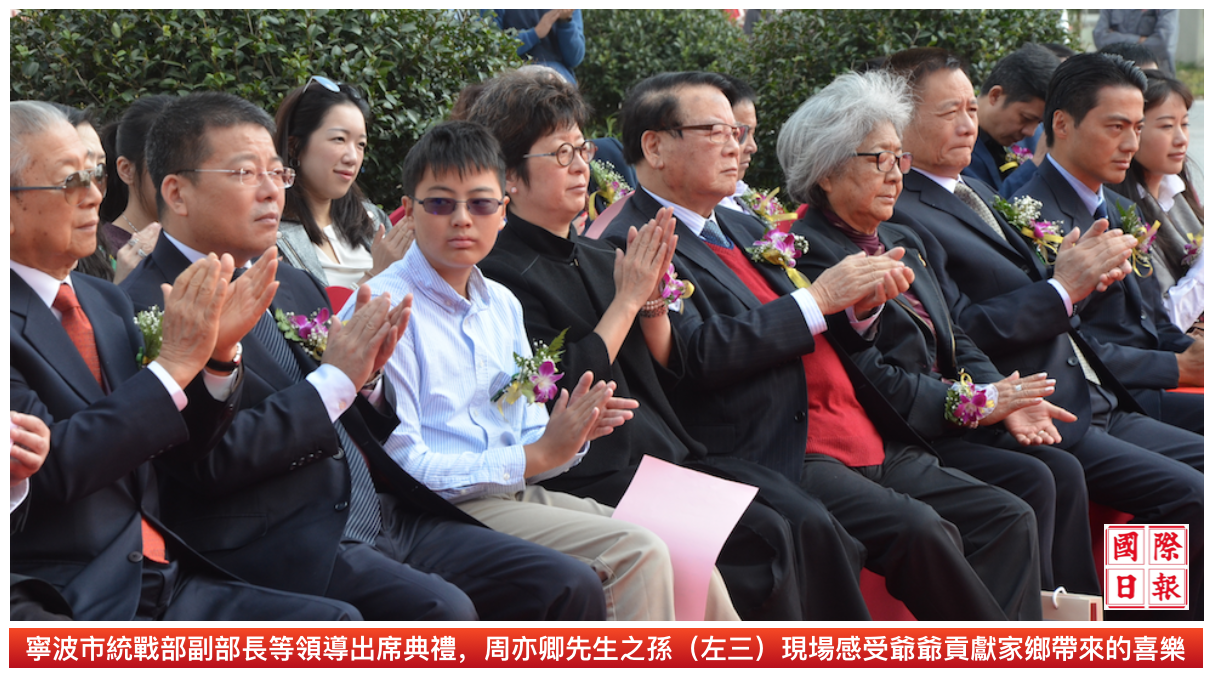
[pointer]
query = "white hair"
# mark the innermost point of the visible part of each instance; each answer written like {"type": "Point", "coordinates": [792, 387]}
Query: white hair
{"type": "Point", "coordinates": [826, 130]}
{"type": "Point", "coordinates": [26, 120]}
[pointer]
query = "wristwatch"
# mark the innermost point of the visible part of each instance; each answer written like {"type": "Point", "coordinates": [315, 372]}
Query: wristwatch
{"type": "Point", "coordinates": [226, 367]}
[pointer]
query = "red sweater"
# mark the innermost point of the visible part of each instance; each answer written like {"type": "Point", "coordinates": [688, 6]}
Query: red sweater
{"type": "Point", "coordinates": [837, 425]}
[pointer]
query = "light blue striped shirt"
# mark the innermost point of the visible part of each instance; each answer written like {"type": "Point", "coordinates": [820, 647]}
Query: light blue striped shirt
{"type": "Point", "coordinates": [454, 356]}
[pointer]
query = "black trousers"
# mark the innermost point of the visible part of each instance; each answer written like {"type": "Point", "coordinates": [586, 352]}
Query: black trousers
{"type": "Point", "coordinates": [426, 568]}
{"type": "Point", "coordinates": [949, 546]}
{"type": "Point", "coordinates": [786, 559]}
{"type": "Point", "coordinates": [1153, 471]}
{"type": "Point", "coordinates": [1052, 482]}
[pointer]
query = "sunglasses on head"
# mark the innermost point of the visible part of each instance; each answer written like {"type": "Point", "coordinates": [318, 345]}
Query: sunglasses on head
{"type": "Point", "coordinates": [445, 206]}
{"type": "Point", "coordinates": [333, 86]}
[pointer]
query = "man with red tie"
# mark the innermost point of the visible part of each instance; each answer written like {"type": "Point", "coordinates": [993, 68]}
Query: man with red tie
{"type": "Point", "coordinates": [91, 527]}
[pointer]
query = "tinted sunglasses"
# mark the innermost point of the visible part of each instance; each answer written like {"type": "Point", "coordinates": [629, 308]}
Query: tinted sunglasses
{"type": "Point", "coordinates": [445, 206]}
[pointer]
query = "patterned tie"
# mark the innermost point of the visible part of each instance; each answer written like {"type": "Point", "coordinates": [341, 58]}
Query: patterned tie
{"type": "Point", "coordinates": [713, 234]}
{"type": "Point", "coordinates": [79, 329]}
{"type": "Point", "coordinates": [975, 203]}
{"type": "Point", "coordinates": [363, 523]}
{"type": "Point", "coordinates": [1100, 211]}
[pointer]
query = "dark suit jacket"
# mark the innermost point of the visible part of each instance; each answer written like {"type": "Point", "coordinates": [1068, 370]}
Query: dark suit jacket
{"type": "Point", "coordinates": [269, 502]}
{"type": "Point", "coordinates": [568, 284]}
{"type": "Point", "coordinates": [998, 293]}
{"type": "Point", "coordinates": [745, 390]}
{"type": "Point", "coordinates": [900, 363]}
{"type": "Point", "coordinates": [82, 531]}
{"type": "Point", "coordinates": [1126, 324]}
{"type": "Point", "coordinates": [985, 167]}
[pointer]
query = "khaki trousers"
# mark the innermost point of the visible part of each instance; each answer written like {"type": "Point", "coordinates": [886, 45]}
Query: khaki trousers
{"type": "Point", "coordinates": [632, 562]}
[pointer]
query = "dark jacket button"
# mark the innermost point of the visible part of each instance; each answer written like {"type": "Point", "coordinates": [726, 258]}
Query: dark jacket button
{"type": "Point", "coordinates": [1072, 362]}
{"type": "Point", "coordinates": [340, 506]}
{"type": "Point", "coordinates": [135, 557]}
{"type": "Point", "coordinates": [799, 417]}
{"type": "Point", "coordinates": [339, 455]}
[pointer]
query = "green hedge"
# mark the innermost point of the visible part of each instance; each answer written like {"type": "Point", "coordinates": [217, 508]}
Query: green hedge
{"type": "Point", "coordinates": [410, 63]}
{"type": "Point", "coordinates": [625, 46]}
{"type": "Point", "coordinates": [795, 53]}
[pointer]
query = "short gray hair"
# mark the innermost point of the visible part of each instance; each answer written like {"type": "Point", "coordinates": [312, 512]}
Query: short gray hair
{"type": "Point", "coordinates": [27, 119]}
{"type": "Point", "coordinates": [825, 131]}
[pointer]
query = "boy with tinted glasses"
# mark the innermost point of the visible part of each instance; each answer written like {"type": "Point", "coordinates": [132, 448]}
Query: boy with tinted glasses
{"type": "Point", "coordinates": [457, 353]}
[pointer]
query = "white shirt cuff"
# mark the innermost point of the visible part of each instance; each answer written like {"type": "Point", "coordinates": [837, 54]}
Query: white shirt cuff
{"type": "Point", "coordinates": [175, 391]}
{"type": "Point", "coordinates": [810, 312]}
{"type": "Point", "coordinates": [336, 389]}
{"type": "Point", "coordinates": [17, 494]}
{"type": "Point", "coordinates": [1064, 297]}
{"type": "Point", "coordinates": [220, 386]}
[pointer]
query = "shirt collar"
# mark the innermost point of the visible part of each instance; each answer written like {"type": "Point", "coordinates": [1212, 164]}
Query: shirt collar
{"type": "Point", "coordinates": [1171, 186]}
{"type": "Point", "coordinates": [45, 286]}
{"type": "Point", "coordinates": [1090, 198]}
{"type": "Point", "coordinates": [691, 219]}
{"type": "Point", "coordinates": [428, 283]}
{"type": "Point", "coordinates": [947, 183]}
{"type": "Point", "coordinates": [191, 254]}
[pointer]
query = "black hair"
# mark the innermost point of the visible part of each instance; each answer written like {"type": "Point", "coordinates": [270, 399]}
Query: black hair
{"type": "Point", "coordinates": [521, 107]}
{"type": "Point", "coordinates": [177, 140]}
{"type": "Point", "coordinates": [453, 146]}
{"type": "Point", "coordinates": [739, 90]}
{"type": "Point", "coordinates": [652, 104]}
{"type": "Point", "coordinates": [1160, 87]}
{"type": "Point", "coordinates": [917, 63]}
{"type": "Point", "coordinates": [1075, 84]}
{"type": "Point", "coordinates": [297, 118]}
{"type": "Point", "coordinates": [126, 137]}
{"type": "Point", "coordinates": [1023, 74]}
{"type": "Point", "coordinates": [1061, 51]}
{"type": "Point", "coordinates": [1135, 53]}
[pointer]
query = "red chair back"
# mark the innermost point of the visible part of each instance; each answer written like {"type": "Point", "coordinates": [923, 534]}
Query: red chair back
{"type": "Point", "coordinates": [338, 296]}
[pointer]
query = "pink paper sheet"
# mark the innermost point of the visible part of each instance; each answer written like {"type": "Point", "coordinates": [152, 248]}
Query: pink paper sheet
{"type": "Point", "coordinates": [693, 513]}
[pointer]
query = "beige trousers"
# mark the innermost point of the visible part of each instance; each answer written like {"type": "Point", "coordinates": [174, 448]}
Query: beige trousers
{"type": "Point", "coordinates": [632, 562]}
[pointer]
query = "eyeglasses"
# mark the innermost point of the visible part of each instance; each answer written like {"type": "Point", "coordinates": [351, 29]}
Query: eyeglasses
{"type": "Point", "coordinates": [75, 186]}
{"type": "Point", "coordinates": [333, 86]}
{"type": "Point", "coordinates": [283, 177]}
{"type": "Point", "coordinates": [445, 206]}
{"type": "Point", "coordinates": [719, 133]}
{"type": "Point", "coordinates": [565, 153]}
{"type": "Point", "coordinates": [886, 161]}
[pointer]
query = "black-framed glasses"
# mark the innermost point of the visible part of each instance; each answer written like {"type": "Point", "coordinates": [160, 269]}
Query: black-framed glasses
{"type": "Point", "coordinates": [75, 186]}
{"type": "Point", "coordinates": [719, 133]}
{"type": "Point", "coordinates": [886, 160]}
{"type": "Point", "coordinates": [445, 206]}
{"type": "Point", "coordinates": [565, 153]}
{"type": "Point", "coordinates": [283, 177]}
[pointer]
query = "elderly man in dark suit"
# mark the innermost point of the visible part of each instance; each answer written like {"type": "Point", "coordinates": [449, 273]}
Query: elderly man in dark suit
{"type": "Point", "coordinates": [92, 526]}
{"type": "Point", "coordinates": [1097, 107]}
{"type": "Point", "coordinates": [289, 497]}
{"type": "Point", "coordinates": [763, 383]}
{"type": "Point", "coordinates": [1021, 313]}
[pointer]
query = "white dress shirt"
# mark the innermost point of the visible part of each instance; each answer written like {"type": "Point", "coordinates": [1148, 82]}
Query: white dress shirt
{"type": "Point", "coordinates": [455, 355]}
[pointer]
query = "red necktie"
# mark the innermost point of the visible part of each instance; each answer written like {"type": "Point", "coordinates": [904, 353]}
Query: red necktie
{"type": "Point", "coordinates": [80, 330]}
{"type": "Point", "coordinates": [77, 325]}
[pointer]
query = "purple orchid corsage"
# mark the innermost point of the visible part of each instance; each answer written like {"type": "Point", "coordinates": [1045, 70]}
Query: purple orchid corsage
{"type": "Point", "coordinates": [536, 380]}
{"type": "Point", "coordinates": [310, 332]}
{"type": "Point", "coordinates": [967, 404]}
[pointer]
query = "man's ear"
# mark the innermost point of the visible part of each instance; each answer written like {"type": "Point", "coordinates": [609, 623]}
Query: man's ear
{"type": "Point", "coordinates": [408, 204]}
{"type": "Point", "coordinates": [652, 149]}
{"type": "Point", "coordinates": [176, 192]}
{"type": "Point", "coordinates": [1061, 125]}
{"type": "Point", "coordinates": [994, 95]}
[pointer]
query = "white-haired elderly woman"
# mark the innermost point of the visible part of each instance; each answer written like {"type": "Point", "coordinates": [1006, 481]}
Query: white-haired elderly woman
{"type": "Point", "coordinates": [842, 156]}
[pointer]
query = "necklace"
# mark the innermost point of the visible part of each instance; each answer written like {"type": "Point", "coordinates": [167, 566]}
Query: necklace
{"type": "Point", "coordinates": [124, 217]}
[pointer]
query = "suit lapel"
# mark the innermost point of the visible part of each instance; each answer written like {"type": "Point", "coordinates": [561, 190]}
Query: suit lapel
{"type": "Point", "coordinates": [744, 230]}
{"type": "Point", "coordinates": [47, 336]}
{"type": "Point", "coordinates": [933, 194]}
{"type": "Point", "coordinates": [110, 335]}
{"type": "Point", "coordinates": [1067, 201]}
{"type": "Point", "coordinates": [942, 333]}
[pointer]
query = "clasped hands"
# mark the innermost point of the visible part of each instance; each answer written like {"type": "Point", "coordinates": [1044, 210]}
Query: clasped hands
{"type": "Point", "coordinates": [587, 413]}
{"type": "Point", "coordinates": [863, 282]}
